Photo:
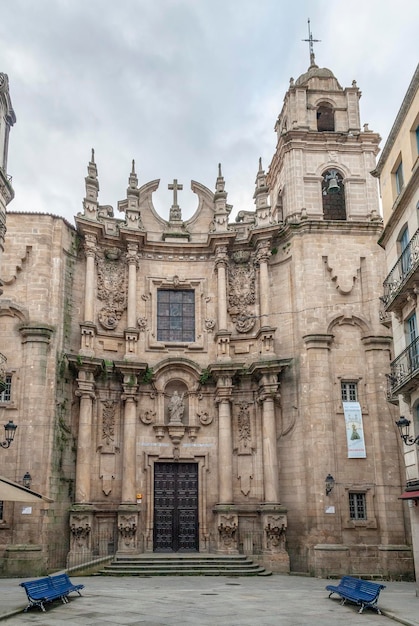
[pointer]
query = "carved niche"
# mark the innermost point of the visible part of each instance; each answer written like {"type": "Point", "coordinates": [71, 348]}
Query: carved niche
{"type": "Point", "coordinates": [111, 286]}
{"type": "Point", "coordinates": [241, 290]}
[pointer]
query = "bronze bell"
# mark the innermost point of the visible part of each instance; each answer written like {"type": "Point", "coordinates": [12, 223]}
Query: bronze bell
{"type": "Point", "coordinates": [333, 186]}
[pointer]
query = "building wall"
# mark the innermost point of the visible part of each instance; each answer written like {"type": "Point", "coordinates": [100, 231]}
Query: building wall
{"type": "Point", "coordinates": [400, 208]}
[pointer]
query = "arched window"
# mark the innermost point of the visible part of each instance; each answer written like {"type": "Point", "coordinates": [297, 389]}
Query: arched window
{"type": "Point", "coordinates": [325, 118]}
{"type": "Point", "coordinates": [333, 195]}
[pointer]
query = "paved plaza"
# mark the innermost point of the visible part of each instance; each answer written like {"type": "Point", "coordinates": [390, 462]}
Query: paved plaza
{"type": "Point", "coordinates": [208, 601]}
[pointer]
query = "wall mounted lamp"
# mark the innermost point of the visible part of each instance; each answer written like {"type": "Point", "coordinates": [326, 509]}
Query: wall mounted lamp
{"type": "Point", "coordinates": [27, 480]}
{"type": "Point", "coordinates": [9, 430]}
{"type": "Point", "coordinates": [403, 426]}
{"type": "Point", "coordinates": [330, 483]}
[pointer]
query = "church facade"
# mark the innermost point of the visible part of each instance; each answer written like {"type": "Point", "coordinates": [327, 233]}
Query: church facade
{"type": "Point", "coordinates": [209, 385]}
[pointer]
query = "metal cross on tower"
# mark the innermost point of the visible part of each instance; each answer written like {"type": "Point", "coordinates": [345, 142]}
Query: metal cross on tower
{"type": "Point", "coordinates": [310, 41]}
{"type": "Point", "coordinates": [175, 187]}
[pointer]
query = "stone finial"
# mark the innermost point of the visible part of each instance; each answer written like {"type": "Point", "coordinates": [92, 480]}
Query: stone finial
{"type": "Point", "coordinates": [261, 197]}
{"type": "Point", "coordinates": [132, 180]}
{"type": "Point", "coordinates": [90, 202]}
{"type": "Point", "coordinates": [221, 209]}
{"type": "Point", "coordinates": [131, 206]}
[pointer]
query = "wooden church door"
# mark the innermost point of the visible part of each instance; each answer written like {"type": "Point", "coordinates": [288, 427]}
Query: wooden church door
{"type": "Point", "coordinates": [175, 507]}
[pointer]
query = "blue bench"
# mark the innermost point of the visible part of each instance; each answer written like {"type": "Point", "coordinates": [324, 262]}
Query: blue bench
{"type": "Point", "coordinates": [48, 589]}
{"type": "Point", "coordinates": [361, 592]}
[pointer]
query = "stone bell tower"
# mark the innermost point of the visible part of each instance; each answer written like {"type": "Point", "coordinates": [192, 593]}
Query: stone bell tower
{"type": "Point", "coordinates": [327, 269]}
{"type": "Point", "coordinates": [321, 148]}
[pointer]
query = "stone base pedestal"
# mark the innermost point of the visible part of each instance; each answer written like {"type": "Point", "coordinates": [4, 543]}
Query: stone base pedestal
{"type": "Point", "coordinates": [128, 529]}
{"type": "Point", "coordinates": [227, 527]}
{"type": "Point", "coordinates": [81, 523]}
{"type": "Point", "coordinates": [24, 561]}
{"type": "Point", "coordinates": [273, 518]}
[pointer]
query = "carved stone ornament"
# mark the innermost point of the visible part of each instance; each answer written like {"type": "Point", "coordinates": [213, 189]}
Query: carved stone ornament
{"type": "Point", "coordinates": [148, 417]}
{"type": "Point", "coordinates": [275, 537]}
{"type": "Point", "coordinates": [142, 323]}
{"type": "Point", "coordinates": [209, 325]}
{"type": "Point", "coordinates": [127, 529]}
{"type": "Point", "coordinates": [111, 287]}
{"type": "Point", "coordinates": [228, 533]}
{"type": "Point", "coordinates": [80, 531]}
{"type": "Point", "coordinates": [108, 421]}
{"type": "Point", "coordinates": [205, 418]}
{"type": "Point", "coordinates": [241, 296]}
{"type": "Point", "coordinates": [244, 426]}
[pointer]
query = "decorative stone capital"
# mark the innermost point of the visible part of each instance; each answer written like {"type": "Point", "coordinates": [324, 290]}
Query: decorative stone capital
{"type": "Point", "coordinates": [318, 340]}
{"type": "Point", "coordinates": [37, 333]}
{"type": "Point", "coordinates": [90, 245]}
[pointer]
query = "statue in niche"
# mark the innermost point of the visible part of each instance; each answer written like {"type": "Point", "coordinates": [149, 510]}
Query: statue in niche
{"type": "Point", "coordinates": [176, 408]}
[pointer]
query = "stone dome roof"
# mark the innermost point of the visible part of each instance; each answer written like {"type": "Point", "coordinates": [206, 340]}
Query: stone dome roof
{"type": "Point", "coordinates": [314, 71]}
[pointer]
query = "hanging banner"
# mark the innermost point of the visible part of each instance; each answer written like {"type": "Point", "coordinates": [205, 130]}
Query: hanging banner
{"type": "Point", "coordinates": [354, 430]}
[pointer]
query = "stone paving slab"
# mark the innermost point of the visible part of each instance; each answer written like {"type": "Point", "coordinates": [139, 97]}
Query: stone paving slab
{"type": "Point", "coordinates": [208, 601]}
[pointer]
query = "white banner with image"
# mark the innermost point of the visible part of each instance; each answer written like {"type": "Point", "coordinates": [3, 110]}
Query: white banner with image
{"type": "Point", "coordinates": [354, 430]}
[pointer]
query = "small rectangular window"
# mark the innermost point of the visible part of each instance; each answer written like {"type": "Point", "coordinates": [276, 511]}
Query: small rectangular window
{"type": "Point", "coordinates": [6, 394]}
{"type": "Point", "coordinates": [349, 392]}
{"type": "Point", "coordinates": [398, 174]}
{"type": "Point", "coordinates": [176, 315]}
{"type": "Point", "coordinates": [357, 506]}
{"type": "Point", "coordinates": [1, 510]}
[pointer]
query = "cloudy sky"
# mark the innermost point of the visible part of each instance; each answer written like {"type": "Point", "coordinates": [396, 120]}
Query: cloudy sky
{"type": "Point", "coordinates": [179, 86]}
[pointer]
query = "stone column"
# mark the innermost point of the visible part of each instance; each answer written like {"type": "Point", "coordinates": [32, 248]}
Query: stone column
{"type": "Point", "coordinates": [221, 265]}
{"type": "Point", "coordinates": [128, 450]}
{"type": "Point", "coordinates": [90, 252]}
{"type": "Point", "coordinates": [86, 394]}
{"type": "Point", "coordinates": [269, 388]}
{"type": "Point", "coordinates": [131, 333]}
{"type": "Point", "coordinates": [262, 256]}
{"type": "Point", "coordinates": [227, 518]}
{"type": "Point", "coordinates": [132, 284]}
{"type": "Point", "coordinates": [225, 452]}
{"type": "Point", "coordinates": [87, 327]}
{"type": "Point", "coordinates": [128, 514]}
{"type": "Point", "coordinates": [272, 513]}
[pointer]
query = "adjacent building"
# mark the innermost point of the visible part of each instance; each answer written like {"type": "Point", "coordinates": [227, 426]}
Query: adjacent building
{"type": "Point", "coordinates": [210, 385]}
{"type": "Point", "coordinates": [398, 171]}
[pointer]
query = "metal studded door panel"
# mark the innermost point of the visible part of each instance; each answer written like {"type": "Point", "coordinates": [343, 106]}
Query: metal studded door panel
{"type": "Point", "coordinates": [175, 507]}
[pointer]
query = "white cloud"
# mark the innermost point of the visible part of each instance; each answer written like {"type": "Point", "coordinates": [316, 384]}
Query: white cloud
{"type": "Point", "coordinates": [180, 86]}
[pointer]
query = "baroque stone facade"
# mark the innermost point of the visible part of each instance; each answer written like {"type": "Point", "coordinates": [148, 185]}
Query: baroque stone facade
{"type": "Point", "coordinates": [184, 385]}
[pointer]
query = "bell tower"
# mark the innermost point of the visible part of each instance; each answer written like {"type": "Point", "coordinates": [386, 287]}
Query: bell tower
{"type": "Point", "coordinates": [322, 162]}
{"type": "Point", "coordinates": [7, 119]}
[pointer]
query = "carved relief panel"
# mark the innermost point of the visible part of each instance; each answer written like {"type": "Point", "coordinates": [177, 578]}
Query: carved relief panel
{"type": "Point", "coordinates": [111, 286]}
{"type": "Point", "coordinates": [241, 290]}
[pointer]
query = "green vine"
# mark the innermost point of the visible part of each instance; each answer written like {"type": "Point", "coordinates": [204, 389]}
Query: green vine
{"type": "Point", "coordinates": [205, 377]}
{"type": "Point", "coordinates": [147, 376]}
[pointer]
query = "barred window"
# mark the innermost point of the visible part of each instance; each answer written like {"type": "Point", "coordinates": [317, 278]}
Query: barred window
{"type": "Point", "coordinates": [357, 506]}
{"type": "Point", "coordinates": [6, 394]}
{"type": "Point", "coordinates": [176, 315]}
{"type": "Point", "coordinates": [349, 392]}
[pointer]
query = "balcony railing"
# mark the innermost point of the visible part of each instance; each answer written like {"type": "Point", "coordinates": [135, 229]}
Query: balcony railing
{"type": "Point", "coordinates": [405, 266]}
{"type": "Point", "coordinates": [404, 373]}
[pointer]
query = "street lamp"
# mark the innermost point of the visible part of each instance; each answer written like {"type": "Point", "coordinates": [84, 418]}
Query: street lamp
{"type": "Point", "coordinates": [10, 430]}
{"type": "Point", "coordinates": [330, 483]}
{"type": "Point", "coordinates": [27, 480]}
{"type": "Point", "coordinates": [403, 426]}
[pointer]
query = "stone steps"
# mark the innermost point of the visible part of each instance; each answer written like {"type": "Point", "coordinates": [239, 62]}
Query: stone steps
{"type": "Point", "coordinates": [183, 565]}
